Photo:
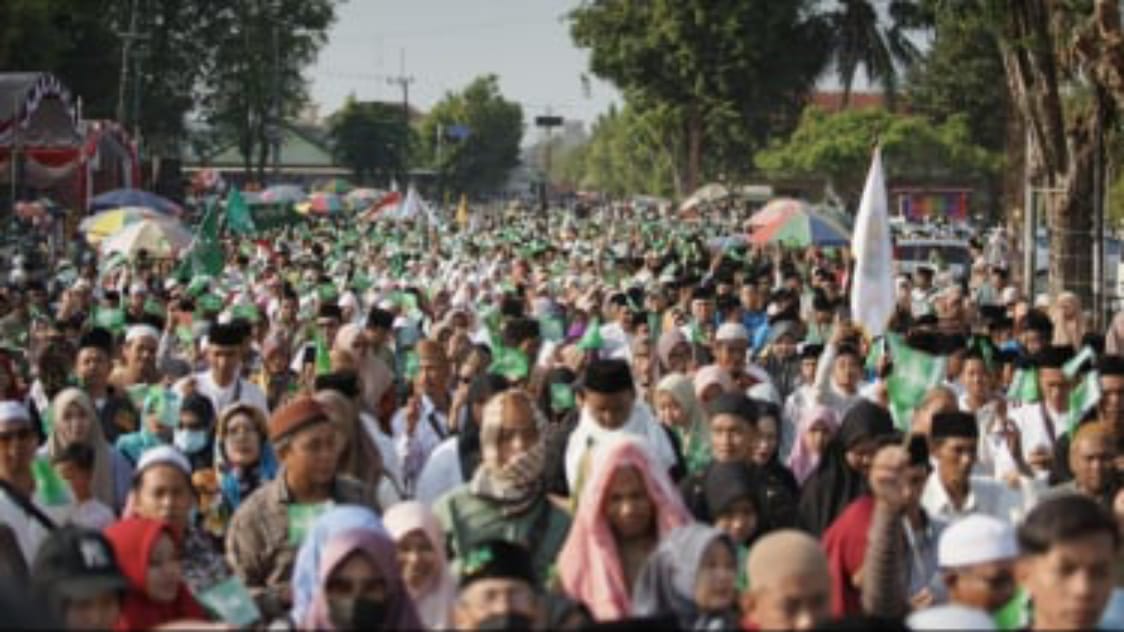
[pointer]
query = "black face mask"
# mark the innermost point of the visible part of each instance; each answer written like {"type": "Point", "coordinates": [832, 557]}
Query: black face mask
{"type": "Point", "coordinates": [507, 621]}
{"type": "Point", "coordinates": [357, 614]}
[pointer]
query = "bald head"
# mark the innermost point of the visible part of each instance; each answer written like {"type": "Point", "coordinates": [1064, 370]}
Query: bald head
{"type": "Point", "coordinates": [789, 581]}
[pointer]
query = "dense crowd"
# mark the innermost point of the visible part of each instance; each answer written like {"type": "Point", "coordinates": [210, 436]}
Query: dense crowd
{"type": "Point", "coordinates": [587, 419]}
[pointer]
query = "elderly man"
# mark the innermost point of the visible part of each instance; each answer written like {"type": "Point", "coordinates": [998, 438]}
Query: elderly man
{"type": "Point", "coordinates": [267, 529]}
{"type": "Point", "coordinates": [1092, 459]}
{"type": "Point", "coordinates": [977, 557]}
{"type": "Point", "coordinates": [498, 589]}
{"type": "Point", "coordinates": [789, 588]}
{"type": "Point", "coordinates": [139, 368]}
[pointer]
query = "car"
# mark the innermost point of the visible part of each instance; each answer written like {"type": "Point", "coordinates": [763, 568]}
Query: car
{"type": "Point", "coordinates": [953, 254]}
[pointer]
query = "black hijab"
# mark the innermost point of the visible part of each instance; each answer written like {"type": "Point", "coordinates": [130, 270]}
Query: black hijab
{"type": "Point", "coordinates": [726, 483]}
{"type": "Point", "coordinates": [834, 484]}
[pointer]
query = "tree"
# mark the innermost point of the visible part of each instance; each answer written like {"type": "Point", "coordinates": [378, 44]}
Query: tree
{"type": "Point", "coordinates": [837, 147]}
{"type": "Point", "coordinates": [1064, 66]}
{"type": "Point", "coordinates": [255, 81]}
{"type": "Point", "coordinates": [859, 38]}
{"type": "Point", "coordinates": [733, 73]}
{"type": "Point", "coordinates": [472, 137]}
{"type": "Point", "coordinates": [370, 138]}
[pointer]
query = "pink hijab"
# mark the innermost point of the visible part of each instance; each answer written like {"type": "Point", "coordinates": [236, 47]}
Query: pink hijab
{"type": "Point", "coordinates": [588, 565]}
{"type": "Point", "coordinates": [377, 546]}
{"type": "Point", "coordinates": [802, 461]}
{"type": "Point", "coordinates": [713, 374]}
{"type": "Point", "coordinates": [434, 602]}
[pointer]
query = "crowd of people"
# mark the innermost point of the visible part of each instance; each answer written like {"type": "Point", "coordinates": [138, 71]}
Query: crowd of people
{"type": "Point", "coordinates": [590, 419]}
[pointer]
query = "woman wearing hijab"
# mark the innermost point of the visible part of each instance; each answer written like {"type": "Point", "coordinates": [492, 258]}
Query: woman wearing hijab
{"type": "Point", "coordinates": [360, 586]}
{"type": "Point", "coordinates": [374, 376]}
{"type": "Point", "coordinates": [691, 576]}
{"type": "Point", "coordinates": [306, 569]}
{"type": "Point", "coordinates": [841, 474]}
{"type": "Point", "coordinates": [148, 553]}
{"type": "Point", "coordinates": [679, 409]}
{"type": "Point", "coordinates": [75, 421]}
{"type": "Point", "coordinates": [626, 508]}
{"type": "Point", "coordinates": [781, 490]}
{"type": "Point", "coordinates": [506, 497]}
{"type": "Point", "coordinates": [244, 459]}
{"type": "Point", "coordinates": [195, 434]}
{"type": "Point", "coordinates": [675, 352]}
{"type": "Point", "coordinates": [735, 504]}
{"type": "Point", "coordinates": [813, 434]}
{"type": "Point", "coordinates": [710, 382]}
{"type": "Point", "coordinates": [421, 555]}
{"type": "Point", "coordinates": [359, 458]}
{"type": "Point", "coordinates": [1068, 320]}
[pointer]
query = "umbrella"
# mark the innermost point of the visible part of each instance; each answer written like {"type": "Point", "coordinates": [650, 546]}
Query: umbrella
{"type": "Point", "coordinates": [283, 193]}
{"type": "Point", "coordinates": [338, 186]}
{"type": "Point", "coordinates": [321, 204]}
{"type": "Point", "coordinates": [363, 197]}
{"type": "Point", "coordinates": [134, 197]}
{"type": "Point", "coordinates": [798, 225]}
{"type": "Point", "coordinates": [159, 238]}
{"type": "Point", "coordinates": [109, 222]}
{"type": "Point", "coordinates": [705, 194]}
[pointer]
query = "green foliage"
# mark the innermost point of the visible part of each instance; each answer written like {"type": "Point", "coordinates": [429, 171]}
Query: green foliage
{"type": "Point", "coordinates": [372, 139]}
{"type": "Point", "coordinates": [630, 152]}
{"type": "Point", "coordinates": [837, 147]}
{"type": "Point", "coordinates": [858, 37]}
{"type": "Point", "coordinates": [481, 162]}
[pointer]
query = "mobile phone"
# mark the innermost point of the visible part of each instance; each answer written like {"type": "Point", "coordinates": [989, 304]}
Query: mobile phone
{"type": "Point", "coordinates": [309, 355]}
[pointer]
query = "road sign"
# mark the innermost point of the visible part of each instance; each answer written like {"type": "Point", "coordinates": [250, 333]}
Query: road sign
{"type": "Point", "coordinates": [548, 121]}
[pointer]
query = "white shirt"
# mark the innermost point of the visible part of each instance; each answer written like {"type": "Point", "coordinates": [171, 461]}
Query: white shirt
{"type": "Point", "coordinates": [1033, 430]}
{"type": "Point", "coordinates": [391, 467]}
{"type": "Point", "coordinates": [442, 472]}
{"type": "Point", "coordinates": [92, 514]}
{"type": "Point", "coordinates": [240, 390]}
{"type": "Point", "coordinates": [28, 531]}
{"type": "Point", "coordinates": [413, 450]}
{"type": "Point", "coordinates": [985, 496]}
{"type": "Point", "coordinates": [641, 423]}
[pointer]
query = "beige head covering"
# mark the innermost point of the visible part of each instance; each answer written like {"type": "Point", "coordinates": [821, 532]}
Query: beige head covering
{"type": "Point", "coordinates": [360, 459]}
{"type": "Point", "coordinates": [374, 376]}
{"type": "Point", "coordinates": [101, 482]}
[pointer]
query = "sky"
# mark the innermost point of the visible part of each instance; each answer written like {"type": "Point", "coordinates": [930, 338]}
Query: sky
{"type": "Point", "coordinates": [447, 43]}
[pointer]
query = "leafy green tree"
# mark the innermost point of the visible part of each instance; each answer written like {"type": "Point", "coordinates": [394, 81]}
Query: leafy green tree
{"type": "Point", "coordinates": [478, 161]}
{"type": "Point", "coordinates": [371, 138]}
{"type": "Point", "coordinates": [837, 148]}
{"type": "Point", "coordinates": [733, 73]}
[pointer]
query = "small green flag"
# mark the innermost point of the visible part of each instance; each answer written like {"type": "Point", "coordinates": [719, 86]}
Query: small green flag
{"type": "Point", "coordinates": [915, 373]}
{"type": "Point", "coordinates": [510, 363]}
{"type": "Point", "coordinates": [591, 340]}
{"type": "Point", "coordinates": [411, 365]}
{"type": "Point", "coordinates": [323, 355]}
{"type": "Point", "coordinates": [49, 486]}
{"type": "Point", "coordinates": [552, 328]}
{"type": "Point", "coordinates": [561, 396]}
{"type": "Point", "coordinates": [301, 516]}
{"type": "Point", "coordinates": [1015, 614]}
{"type": "Point", "coordinates": [246, 311]}
{"type": "Point", "coordinates": [210, 303]}
{"type": "Point", "coordinates": [1071, 368]}
{"type": "Point", "coordinates": [694, 333]}
{"type": "Point", "coordinates": [112, 319]}
{"type": "Point", "coordinates": [238, 218]}
{"type": "Point", "coordinates": [163, 403]}
{"type": "Point", "coordinates": [1024, 386]}
{"type": "Point", "coordinates": [1083, 399]}
{"type": "Point", "coordinates": [231, 602]}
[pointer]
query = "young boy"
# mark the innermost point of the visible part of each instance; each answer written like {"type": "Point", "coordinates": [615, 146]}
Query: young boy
{"type": "Point", "coordinates": [75, 465]}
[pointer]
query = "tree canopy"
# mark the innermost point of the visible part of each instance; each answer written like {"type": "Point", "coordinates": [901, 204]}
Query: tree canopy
{"type": "Point", "coordinates": [372, 139]}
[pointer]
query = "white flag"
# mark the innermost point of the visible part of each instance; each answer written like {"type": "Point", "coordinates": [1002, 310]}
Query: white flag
{"type": "Point", "coordinates": [872, 285]}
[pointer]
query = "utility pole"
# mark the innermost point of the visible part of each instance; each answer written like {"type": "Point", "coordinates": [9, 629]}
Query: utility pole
{"type": "Point", "coordinates": [403, 81]}
{"type": "Point", "coordinates": [128, 37]}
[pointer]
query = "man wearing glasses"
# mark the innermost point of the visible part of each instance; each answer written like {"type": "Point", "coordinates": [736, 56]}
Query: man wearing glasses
{"type": "Point", "coordinates": [22, 510]}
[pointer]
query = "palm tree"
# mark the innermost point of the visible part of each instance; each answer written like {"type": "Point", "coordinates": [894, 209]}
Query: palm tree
{"type": "Point", "coordinates": [860, 37]}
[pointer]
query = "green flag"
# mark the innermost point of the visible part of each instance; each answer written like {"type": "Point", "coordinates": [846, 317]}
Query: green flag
{"type": "Point", "coordinates": [1071, 368]}
{"type": "Point", "coordinates": [510, 363]}
{"type": "Point", "coordinates": [112, 319]}
{"type": "Point", "coordinates": [552, 328]}
{"type": "Point", "coordinates": [1015, 614]}
{"type": "Point", "coordinates": [1083, 399]}
{"type": "Point", "coordinates": [1024, 386]}
{"type": "Point", "coordinates": [323, 355]}
{"type": "Point", "coordinates": [238, 218]}
{"type": "Point", "coordinates": [561, 396]}
{"type": "Point", "coordinates": [49, 486]}
{"type": "Point", "coordinates": [591, 340]}
{"type": "Point", "coordinates": [205, 255]}
{"type": "Point", "coordinates": [914, 373]}
{"type": "Point", "coordinates": [229, 601]}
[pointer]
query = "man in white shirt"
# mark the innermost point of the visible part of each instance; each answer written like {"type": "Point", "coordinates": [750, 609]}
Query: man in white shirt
{"type": "Point", "coordinates": [952, 492]}
{"type": "Point", "coordinates": [222, 382]}
{"type": "Point", "coordinates": [423, 422]}
{"type": "Point", "coordinates": [29, 517]}
{"type": "Point", "coordinates": [1040, 424]}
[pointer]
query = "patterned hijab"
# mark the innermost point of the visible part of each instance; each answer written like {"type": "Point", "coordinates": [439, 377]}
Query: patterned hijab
{"type": "Point", "coordinates": [517, 484]}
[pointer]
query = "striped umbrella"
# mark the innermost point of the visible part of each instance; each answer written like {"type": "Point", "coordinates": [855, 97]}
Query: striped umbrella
{"type": "Point", "coordinates": [797, 225]}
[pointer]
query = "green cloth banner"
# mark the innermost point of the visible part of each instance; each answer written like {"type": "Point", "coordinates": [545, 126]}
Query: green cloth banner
{"type": "Point", "coordinates": [914, 373]}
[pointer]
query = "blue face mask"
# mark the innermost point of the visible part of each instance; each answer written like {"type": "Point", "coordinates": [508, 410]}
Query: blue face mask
{"type": "Point", "coordinates": [189, 441]}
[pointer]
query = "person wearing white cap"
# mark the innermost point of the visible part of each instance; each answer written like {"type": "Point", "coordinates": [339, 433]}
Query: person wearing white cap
{"type": "Point", "coordinates": [23, 508]}
{"type": "Point", "coordinates": [141, 345]}
{"type": "Point", "coordinates": [134, 310]}
{"type": "Point", "coordinates": [977, 557]}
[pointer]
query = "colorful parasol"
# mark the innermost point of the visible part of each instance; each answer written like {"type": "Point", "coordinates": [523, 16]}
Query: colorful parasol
{"type": "Point", "coordinates": [158, 238]}
{"type": "Point", "coordinates": [794, 223]}
{"type": "Point", "coordinates": [283, 193]}
{"type": "Point", "coordinates": [322, 204]}
{"type": "Point", "coordinates": [134, 197]}
{"type": "Point", "coordinates": [106, 223]}
{"type": "Point", "coordinates": [339, 186]}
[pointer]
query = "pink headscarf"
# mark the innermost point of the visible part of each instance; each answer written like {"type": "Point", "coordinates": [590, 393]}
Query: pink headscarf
{"type": "Point", "coordinates": [588, 565]}
{"type": "Point", "coordinates": [713, 374]}
{"type": "Point", "coordinates": [377, 546]}
{"type": "Point", "coordinates": [802, 461]}
{"type": "Point", "coordinates": [434, 602]}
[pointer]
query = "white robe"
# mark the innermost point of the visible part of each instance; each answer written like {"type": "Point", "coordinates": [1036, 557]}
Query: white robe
{"type": "Point", "coordinates": [1032, 427]}
{"type": "Point", "coordinates": [442, 472]}
{"type": "Point", "coordinates": [641, 423]}
{"type": "Point", "coordinates": [220, 397]}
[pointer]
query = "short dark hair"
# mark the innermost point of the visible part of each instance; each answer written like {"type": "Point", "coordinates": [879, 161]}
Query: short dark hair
{"type": "Point", "coordinates": [519, 330]}
{"type": "Point", "coordinates": [78, 454]}
{"type": "Point", "coordinates": [1062, 519]}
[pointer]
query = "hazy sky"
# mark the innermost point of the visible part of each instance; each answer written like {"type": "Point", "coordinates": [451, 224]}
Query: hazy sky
{"type": "Point", "coordinates": [447, 43]}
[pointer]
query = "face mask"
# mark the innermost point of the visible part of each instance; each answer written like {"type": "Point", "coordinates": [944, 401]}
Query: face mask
{"type": "Point", "coordinates": [506, 621]}
{"type": "Point", "coordinates": [356, 614]}
{"type": "Point", "coordinates": [189, 441]}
